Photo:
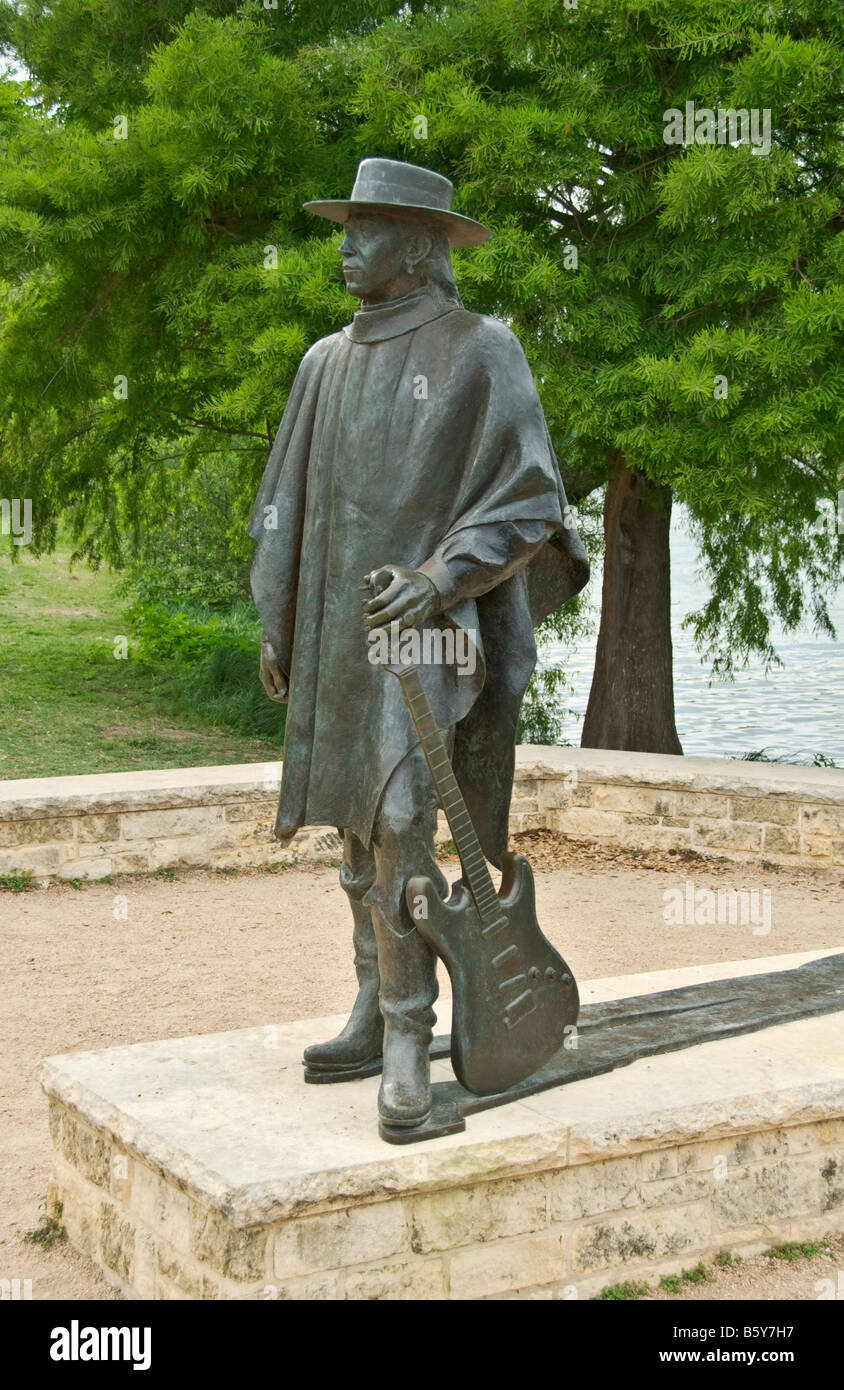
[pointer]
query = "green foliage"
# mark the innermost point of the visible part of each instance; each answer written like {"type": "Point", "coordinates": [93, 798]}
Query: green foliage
{"type": "Point", "coordinates": [60, 675]}
{"type": "Point", "coordinates": [693, 262]}
{"type": "Point", "coordinates": [174, 637]}
{"type": "Point", "coordinates": [208, 664]}
{"type": "Point", "coordinates": [673, 1283]}
{"type": "Point", "coordinates": [725, 1259]}
{"type": "Point", "coordinates": [798, 1250]}
{"type": "Point", "coordinates": [17, 880]}
{"type": "Point", "coordinates": [541, 717]}
{"type": "Point", "coordinates": [143, 258]}
{"type": "Point", "coordinates": [193, 548]}
{"type": "Point", "coordinates": [50, 1229]}
{"type": "Point", "coordinates": [146, 258]}
{"type": "Point", "coordinates": [629, 1291]}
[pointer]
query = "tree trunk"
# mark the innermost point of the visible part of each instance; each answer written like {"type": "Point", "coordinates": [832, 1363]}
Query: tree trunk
{"type": "Point", "coordinates": [631, 702]}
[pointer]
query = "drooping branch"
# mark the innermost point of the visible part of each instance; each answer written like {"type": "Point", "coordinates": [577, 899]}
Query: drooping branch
{"type": "Point", "coordinates": [79, 328]}
{"type": "Point", "coordinates": [209, 425]}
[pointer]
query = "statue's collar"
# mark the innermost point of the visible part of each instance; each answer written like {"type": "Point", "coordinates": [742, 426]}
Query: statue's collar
{"type": "Point", "coordinates": [396, 316]}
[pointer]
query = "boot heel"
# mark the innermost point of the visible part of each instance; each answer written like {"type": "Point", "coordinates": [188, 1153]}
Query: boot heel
{"type": "Point", "coordinates": [402, 1133]}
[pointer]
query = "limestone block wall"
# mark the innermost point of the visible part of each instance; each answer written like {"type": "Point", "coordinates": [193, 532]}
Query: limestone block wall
{"type": "Point", "coordinates": [558, 1230]}
{"type": "Point", "coordinates": [775, 811]}
{"type": "Point", "coordinates": [220, 817]}
{"type": "Point", "coordinates": [137, 822]}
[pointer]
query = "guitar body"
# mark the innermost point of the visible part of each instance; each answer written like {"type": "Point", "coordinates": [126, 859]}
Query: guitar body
{"type": "Point", "coordinates": [514, 996]}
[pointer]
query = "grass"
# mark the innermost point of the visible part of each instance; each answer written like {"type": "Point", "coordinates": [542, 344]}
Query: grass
{"type": "Point", "coordinates": [792, 1251]}
{"type": "Point", "coordinates": [798, 1250]}
{"type": "Point", "coordinates": [725, 1259]}
{"type": "Point", "coordinates": [68, 706]}
{"type": "Point", "coordinates": [50, 1229]}
{"type": "Point", "coordinates": [622, 1293]}
{"type": "Point", "coordinates": [17, 880]}
{"type": "Point", "coordinates": [673, 1283]}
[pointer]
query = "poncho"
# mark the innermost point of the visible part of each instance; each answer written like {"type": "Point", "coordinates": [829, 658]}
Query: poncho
{"type": "Point", "coordinates": [413, 436]}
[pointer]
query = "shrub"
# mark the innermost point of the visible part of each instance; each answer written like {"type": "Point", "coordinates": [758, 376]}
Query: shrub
{"type": "Point", "coordinates": [208, 664]}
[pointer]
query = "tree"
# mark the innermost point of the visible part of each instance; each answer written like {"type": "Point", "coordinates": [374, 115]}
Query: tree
{"type": "Point", "coordinates": [680, 305]}
{"type": "Point", "coordinates": [153, 246]}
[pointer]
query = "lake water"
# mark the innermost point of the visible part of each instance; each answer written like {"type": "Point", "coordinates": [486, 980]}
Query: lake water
{"type": "Point", "coordinates": [795, 711]}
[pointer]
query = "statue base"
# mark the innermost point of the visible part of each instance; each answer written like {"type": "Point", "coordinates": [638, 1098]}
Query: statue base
{"type": "Point", "coordinates": [611, 1035]}
{"type": "Point", "coordinates": [205, 1168]}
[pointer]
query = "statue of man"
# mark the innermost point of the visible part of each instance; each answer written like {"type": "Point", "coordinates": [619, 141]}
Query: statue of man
{"type": "Point", "coordinates": [413, 461]}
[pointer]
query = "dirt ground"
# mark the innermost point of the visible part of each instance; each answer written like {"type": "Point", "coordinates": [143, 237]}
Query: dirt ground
{"type": "Point", "coordinates": [766, 1278]}
{"type": "Point", "coordinates": [209, 952]}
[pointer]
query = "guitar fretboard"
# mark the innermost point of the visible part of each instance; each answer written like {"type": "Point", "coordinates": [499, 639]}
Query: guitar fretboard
{"type": "Point", "coordinates": [475, 871]}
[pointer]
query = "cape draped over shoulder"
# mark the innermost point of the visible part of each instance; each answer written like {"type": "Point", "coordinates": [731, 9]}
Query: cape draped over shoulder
{"type": "Point", "coordinates": [414, 436]}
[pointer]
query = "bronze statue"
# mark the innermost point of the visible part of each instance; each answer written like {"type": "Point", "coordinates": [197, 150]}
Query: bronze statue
{"type": "Point", "coordinates": [412, 488]}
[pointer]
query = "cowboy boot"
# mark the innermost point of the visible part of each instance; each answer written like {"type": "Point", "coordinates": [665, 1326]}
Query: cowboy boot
{"type": "Point", "coordinates": [408, 989]}
{"type": "Point", "coordinates": [347, 1055]}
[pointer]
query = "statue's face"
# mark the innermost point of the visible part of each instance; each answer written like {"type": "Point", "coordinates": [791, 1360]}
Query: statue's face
{"type": "Point", "coordinates": [379, 257]}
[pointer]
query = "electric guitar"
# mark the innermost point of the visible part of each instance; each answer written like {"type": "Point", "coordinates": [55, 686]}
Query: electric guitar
{"type": "Point", "coordinates": [513, 995]}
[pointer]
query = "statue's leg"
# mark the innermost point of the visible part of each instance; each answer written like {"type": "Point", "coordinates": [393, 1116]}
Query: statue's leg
{"type": "Point", "coordinates": [403, 841]}
{"type": "Point", "coordinates": [361, 1039]}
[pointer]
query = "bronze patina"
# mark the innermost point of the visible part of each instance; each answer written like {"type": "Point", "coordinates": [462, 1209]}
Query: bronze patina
{"type": "Point", "coordinates": [412, 488]}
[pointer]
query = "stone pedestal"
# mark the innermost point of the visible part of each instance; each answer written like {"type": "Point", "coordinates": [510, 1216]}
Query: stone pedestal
{"type": "Point", "coordinates": [205, 1168]}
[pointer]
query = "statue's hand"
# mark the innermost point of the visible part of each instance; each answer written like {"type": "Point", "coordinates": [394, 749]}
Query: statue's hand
{"type": "Point", "coordinates": [400, 595]}
{"type": "Point", "coordinates": [273, 678]}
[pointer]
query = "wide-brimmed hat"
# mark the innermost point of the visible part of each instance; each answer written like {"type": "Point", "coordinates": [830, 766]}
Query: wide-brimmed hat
{"type": "Point", "coordinates": [389, 185]}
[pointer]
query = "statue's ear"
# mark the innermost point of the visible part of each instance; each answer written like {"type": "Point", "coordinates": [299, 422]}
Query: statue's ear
{"type": "Point", "coordinates": [420, 244]}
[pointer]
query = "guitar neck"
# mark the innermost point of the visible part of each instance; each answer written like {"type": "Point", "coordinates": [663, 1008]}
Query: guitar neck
{"type": "Point", "coordinates": [475, 871]}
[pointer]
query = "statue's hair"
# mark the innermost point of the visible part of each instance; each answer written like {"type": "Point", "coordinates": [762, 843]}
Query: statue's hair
{"type": "Point", "coordinates": [435, 271]}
